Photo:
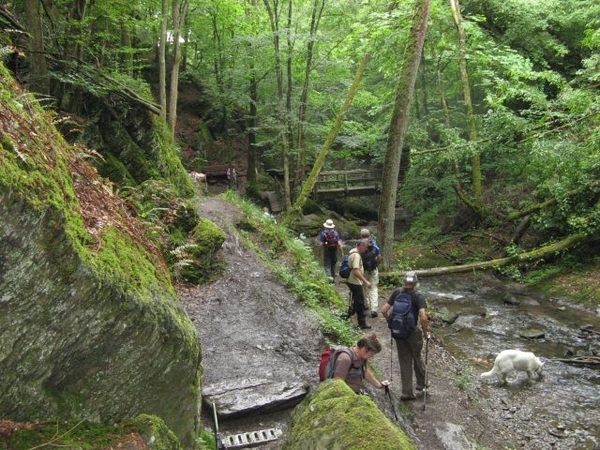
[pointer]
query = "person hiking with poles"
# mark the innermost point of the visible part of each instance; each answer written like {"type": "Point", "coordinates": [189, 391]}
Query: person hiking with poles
{"type": "Point", "coordinates": [351, 366]}
{"type": "Point", "coordinates": [357, 282]}
{"type": "Point", "coordinates": [404, 310]}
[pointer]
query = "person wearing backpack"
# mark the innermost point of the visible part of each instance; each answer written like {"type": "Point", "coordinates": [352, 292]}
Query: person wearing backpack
{"type": "Point", "coordinates": [356, 281]}
{"type": "Point", "coordinates": [331, 243]}
{"type": "Point", "coordinates": [371, 259]}
{"type": "Point", "coordinates": [405, 309]}
{"type": "Point", "coordinates": [351, 365]}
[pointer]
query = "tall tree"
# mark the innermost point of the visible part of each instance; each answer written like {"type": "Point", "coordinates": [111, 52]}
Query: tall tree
{"type": "Point", "coordinates": [273, 11]}
{"type": "Point", "coordinates": [179, 13]}
{"type": "Point", "coordinates": [315, 20]}
{"type": "Point", "coordinates": [477, 203]}
{"type": "Point", "coordinates": [162, 60]}
{"type": "Point", "coordinates": [39, 69]}
{"type": "Point", "coordinates": [404, 93]}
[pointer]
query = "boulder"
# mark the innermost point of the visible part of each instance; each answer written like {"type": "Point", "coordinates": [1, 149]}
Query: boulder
{"type": "Point", "coordinates": [334, 417]}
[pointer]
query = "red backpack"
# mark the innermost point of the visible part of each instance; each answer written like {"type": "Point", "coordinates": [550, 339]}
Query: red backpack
{"type": "Point", "coordinates": [331, 238]}
{"type": "Point", "coordinates": [328, 359]}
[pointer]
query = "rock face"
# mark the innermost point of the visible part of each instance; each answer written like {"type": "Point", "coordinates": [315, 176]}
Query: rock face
{"type": "Point", "coordinates": [89, 324]}
{"type": "Point", "coordinates": [334, 417]}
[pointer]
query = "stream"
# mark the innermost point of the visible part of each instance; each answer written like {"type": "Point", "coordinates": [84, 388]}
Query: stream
{"type": "Point", "coordinates": [488, 318]}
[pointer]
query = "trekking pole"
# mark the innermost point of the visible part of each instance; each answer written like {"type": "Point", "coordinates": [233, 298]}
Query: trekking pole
{"type": "Point", "coordinates": [219, 445]}
{"type": "Point", "coordinates": [387, 387]}
{"type": "Point", "coordinates": [387, 392]}
{"type": "Point", "coordinates": [391, 357]}
{"type": "Point", "coordinates": [426, 377]}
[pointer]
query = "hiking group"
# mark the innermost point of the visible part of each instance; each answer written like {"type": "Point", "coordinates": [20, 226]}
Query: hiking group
{"type": "Point", "coordinates": [359, 268]}
{"type": "Point", "coordinates": [404, 310]}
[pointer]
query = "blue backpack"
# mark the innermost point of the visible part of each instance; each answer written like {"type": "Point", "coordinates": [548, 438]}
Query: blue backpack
{"type": "Point", "coordinates": [345, 267]}
{"type": "Point", "coordinates": [402, 321]}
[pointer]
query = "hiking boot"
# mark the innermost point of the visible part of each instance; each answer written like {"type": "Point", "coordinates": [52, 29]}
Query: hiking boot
{"type": "Point", "coordinates": [407, 398]}
{"type": "Point", "coordinates": [374, 314]}
{"type": "Point", "coordinates": [365, 327]}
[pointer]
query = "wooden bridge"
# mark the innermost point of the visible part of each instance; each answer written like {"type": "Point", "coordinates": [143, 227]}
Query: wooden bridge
{"type": "Point", "coordinates": [347, 183]}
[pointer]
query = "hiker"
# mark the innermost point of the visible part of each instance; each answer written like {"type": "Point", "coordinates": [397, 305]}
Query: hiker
{"type": "Point", "coordinates": [357, 281]}
{"type": "Point", "coordinates": [331, 243]}
{"type": "Point", "coordinates": [352, 368]}
{"type": "Point", "coordinates": [232, 177]}
{"type": "Point", "coordinates": [371, 259]}
{"type": "Point", "coordinates": [409, 348]}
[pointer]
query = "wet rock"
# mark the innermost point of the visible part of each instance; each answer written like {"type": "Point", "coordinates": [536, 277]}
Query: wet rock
{"type": "Point", "coordinates": [253, 395]}
{"type": "Point", "coordinates": [532, 333]}
{"type": "Point", "coordinates": [511, 300]}
{"type": "Point", "coordinates": [448, 316]}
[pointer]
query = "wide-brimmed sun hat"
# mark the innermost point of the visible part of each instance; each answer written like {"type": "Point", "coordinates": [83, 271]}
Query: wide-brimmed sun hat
{"type": "Point", "coordinates": [329, 224]}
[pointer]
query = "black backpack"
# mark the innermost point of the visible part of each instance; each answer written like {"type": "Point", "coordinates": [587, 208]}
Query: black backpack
{"type": "Point", "coordinates": [331, 238]}
{"type": "Point", "coordinates": [402, 321]}
{"type": "Point", "coordinates": [369, 258]}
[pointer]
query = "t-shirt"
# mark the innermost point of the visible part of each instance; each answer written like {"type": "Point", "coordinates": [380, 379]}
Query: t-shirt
{"type": "Point", "coordinates": [418, 301]}
{"type": "Point", "coordinates": [351, 370]}
{"type": "Point", "coordinates": [355, 262]}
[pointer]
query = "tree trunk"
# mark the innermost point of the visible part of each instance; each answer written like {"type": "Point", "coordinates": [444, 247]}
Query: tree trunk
{"type": "Point", "coordinates": [295, 212]}
{"type": "Point", "coordinates": [251, 123]}
{"type": "Point", "coordinates": [317, 11]}
{"type": "Point", "coordinates": [477, 204]}
{"type": "Point", "coordinates": [39, 69]}
{"type": "Point", "coordinates": [162, 60]}
{"type": "Point", "coordinates": [398, 125]}
{"type": "Point", "coordinates": [283, 120]}
{"type": "Point", "coordinates": [179, 13]}
{"type": "Point", "coordinates": [533, 255]}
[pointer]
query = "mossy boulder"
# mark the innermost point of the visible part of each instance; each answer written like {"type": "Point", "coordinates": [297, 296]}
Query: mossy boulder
{"type": "Point", "coordinates": [90, 325]}
{"type": "Point", "coordinates": [140, 433]}
{"type": "Point", "coordinates": [200, 256]}
{"type": "Point", "coordinates": [333, 417]}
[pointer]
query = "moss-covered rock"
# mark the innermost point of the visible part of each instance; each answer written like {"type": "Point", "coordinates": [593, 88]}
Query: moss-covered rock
{"type": "Point", "coordinates": [90, 325]}
{"type": "Point", "coordinates": [140, 433]}
{"type": "Point", "coordinates": [203, 264]}
{"type": "Point", "coordinates": [333, 417]}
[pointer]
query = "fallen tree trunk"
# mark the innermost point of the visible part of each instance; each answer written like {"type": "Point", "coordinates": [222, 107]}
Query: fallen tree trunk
{"type": "Point", "coordinates": [580, 360]}
{"type": "Point", "coordinates": [539, 253]}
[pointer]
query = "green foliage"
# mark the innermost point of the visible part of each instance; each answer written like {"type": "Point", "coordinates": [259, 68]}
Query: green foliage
{"type": "Point", "coordinates": [464, 377]}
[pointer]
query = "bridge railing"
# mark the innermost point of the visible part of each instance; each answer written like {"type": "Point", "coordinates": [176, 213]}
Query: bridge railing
{"type": "Point", "coordinates": [348, 182]}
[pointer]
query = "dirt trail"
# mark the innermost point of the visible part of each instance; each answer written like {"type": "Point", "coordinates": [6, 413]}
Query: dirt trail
{"type": "Point", "coordinates": [452, 418]}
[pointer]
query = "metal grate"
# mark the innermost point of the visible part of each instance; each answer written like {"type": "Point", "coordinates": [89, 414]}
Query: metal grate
{"type": "Point", "coordinates": [251, 438]}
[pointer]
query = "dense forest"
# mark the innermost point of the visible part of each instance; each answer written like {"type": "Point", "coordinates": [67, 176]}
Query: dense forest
{"type": "Point", "coordinates": [481, 119]}
{"type": "Point", "coordinates": [480, 115]}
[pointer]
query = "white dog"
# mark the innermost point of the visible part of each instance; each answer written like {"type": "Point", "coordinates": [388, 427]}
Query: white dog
{"type": "Point", "coordinates": [509, 360]}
